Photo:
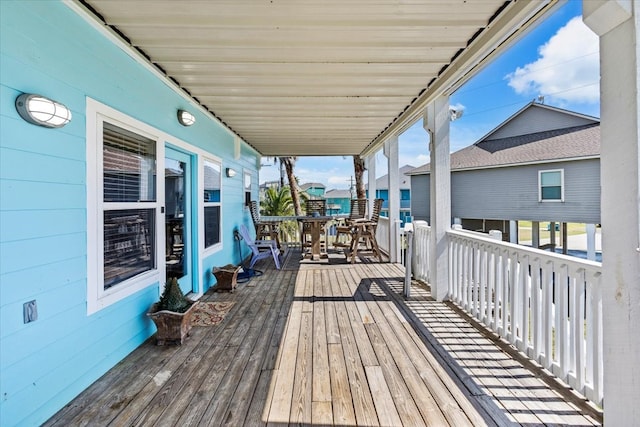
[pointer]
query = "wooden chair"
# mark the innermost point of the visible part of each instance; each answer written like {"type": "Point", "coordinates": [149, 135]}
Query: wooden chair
{"type": "Point", "coordinates": [364, 231]}
{"type": "Point", "coordinates": [260, 249]}
{"type": "Point", "coordinates": [357, 211]}
{"type": "Point", "coordinates": [313, 207]}
{"type": "Point", "coordinates": [270, 229]}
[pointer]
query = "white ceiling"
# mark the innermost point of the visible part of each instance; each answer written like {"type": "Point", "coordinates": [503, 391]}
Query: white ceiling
{"type": "Point", "coordinates": [301, 77]}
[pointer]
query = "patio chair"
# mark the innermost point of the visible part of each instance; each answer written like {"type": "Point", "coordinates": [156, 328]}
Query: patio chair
{"type": "Point", "coordinates": [313, 207]}
{"type": "Point", "coordinates": [364, 231]}
{"type": "Point", "coordinates": [357, 211]}
{"type": "Point", "coordinates": [270, 229]}
{"type": "Point", "coordinates": [260, 249]}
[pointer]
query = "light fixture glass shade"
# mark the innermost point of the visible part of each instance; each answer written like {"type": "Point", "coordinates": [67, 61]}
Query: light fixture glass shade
{"type": "Point", "coordinates": [41, 111]}
{"type": "Point", "coordinates": [230, 172]}
{"type": "Point", "coordinates": [186, 118]}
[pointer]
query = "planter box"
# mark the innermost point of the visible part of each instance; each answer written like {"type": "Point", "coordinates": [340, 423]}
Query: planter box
{"type": "Point", "coordinates": [227, 277]}
{"type": "Point", "coordinates": [173, 327]}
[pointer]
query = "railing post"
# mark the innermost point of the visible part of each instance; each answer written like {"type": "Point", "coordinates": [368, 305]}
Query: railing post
{"type": "Point", "coordinates": [408, 232]}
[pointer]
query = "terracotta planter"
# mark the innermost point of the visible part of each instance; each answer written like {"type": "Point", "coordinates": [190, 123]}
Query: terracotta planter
{"type": "Point", "coordinates": [173, 327]}
{"type": "Point", "coordinates": [226, 278]}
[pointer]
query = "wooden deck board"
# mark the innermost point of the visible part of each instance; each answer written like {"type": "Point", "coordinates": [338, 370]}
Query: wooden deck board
{"type": "Point", "coordinates": [329, 343]}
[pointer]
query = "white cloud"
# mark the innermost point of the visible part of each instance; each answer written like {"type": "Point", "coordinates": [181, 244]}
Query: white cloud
{"type": "Point", "coordinates": [567, 70]}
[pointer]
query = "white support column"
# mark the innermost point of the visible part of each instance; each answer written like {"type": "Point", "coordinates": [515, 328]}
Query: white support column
{"type": "Point", "coordinates": [513, 231]}
{"type": "Point", "coordinates": [436, 123]}
{"type": "Point", "coordinates": [391, 152]}
{"type": "Point", "coordinates": [617, 22]}
{"type": "Point", "coordinates": [370, 162]}
{"type": "Point", "coordinates": [535, 234]}
{"type": "Point", "coordinates": [591, 241]}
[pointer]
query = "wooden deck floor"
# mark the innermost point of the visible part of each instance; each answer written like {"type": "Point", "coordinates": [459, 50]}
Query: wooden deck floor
{"type": "Point", "coordinates": [326, 343]}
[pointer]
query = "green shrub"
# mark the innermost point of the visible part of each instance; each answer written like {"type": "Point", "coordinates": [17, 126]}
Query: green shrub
{"type": "Point", "coordinates": [172, 298]}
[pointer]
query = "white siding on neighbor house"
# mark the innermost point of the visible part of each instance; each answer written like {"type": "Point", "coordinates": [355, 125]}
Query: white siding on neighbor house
{"type": "Point", "coordinates": [538, 119]}
{"type": "Point", "coordinates": [511, 193]}
{"type": "Point", "coordinates": [420, 196]}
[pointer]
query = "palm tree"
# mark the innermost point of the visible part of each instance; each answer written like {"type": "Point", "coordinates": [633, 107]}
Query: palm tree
{"type": "Point", "coordinates": [289, 164]}
{"type": "Point", "coordinates": [277, 202]}
{"type": "Point", "coordinates": [358, 170]}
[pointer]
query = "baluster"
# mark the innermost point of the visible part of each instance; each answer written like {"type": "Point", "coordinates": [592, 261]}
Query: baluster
{"type": "Point", "coordinates": [562, 314]}
{"type": "Point", "coordinates": [578, 319]}
{"type": "Point", "coordinates": [506, 265]}
{"type": "Point", "coordinates": [548, 308]}
{"type": "Point", "coordinates": [536, 309]}
{"type": "Point", "coordinates": [513, 297]}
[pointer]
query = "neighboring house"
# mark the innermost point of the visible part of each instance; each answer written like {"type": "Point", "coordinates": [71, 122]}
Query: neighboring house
{"type": "Point", "coordinates": [95, 213]}
{"type": "Point", "coordinates": [315, 190]}
{"type": "Point", "coordinates": [338, 201]}
{"type": "Point", "coordinates": [267, 184]}
{"type": "Point", "coordinates": [541, 164]}
{"type": "Point", "coordinates": [382, 192]}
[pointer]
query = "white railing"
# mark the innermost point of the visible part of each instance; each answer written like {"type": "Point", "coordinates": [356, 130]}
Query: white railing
{"type": "Point", "coordinates": [421, 251]}
{"type": "Point", "coordinates": [382, 234]}
{"type": "Point", "coordinates": [549, 306]}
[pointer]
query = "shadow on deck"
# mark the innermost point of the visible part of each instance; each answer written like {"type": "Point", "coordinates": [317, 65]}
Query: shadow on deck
{"type": "Point", "coordinates": [324, 343]}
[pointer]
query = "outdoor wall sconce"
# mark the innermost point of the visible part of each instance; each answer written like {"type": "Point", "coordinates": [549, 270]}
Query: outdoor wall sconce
{"type": "Point", "coordinates": [230, 172]}
{"type": "Point", "coordinates": [41, 111]}
{"type": "Point", "coordinates": [186, 118]}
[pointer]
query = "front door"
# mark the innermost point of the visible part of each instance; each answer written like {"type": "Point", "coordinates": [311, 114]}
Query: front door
{"type": "Point", "coordinates": [179, 248]}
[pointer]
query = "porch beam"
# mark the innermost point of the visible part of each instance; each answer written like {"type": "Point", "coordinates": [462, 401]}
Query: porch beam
{"type": "Point", "coordinates": [436, 123]}
{"type": "Point", "coordinates": [391, 152]}
{"type": "Point", "coordinates": [617, 23]}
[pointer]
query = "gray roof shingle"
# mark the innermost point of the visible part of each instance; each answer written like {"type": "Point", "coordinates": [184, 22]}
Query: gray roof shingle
{"type": "Point", "coordinates": [557, 144]}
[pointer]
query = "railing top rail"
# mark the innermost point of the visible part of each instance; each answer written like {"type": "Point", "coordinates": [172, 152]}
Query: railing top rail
{"type": "Point", "coordinates": [531, 252]}
{"type": "Point", "coordinates": [295, 217]}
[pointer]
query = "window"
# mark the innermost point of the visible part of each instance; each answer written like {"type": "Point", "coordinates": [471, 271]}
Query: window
{"type": "Point", "coordinates": [129, 171]}
{"type": "Point", "coordinates": [212, 221]}
{"type": "Point", "coordinates": [551, 185]}
{"type": "Point", "coordinates": [247, 188]}
{"type": "Point", "coordinates": [122, 206]}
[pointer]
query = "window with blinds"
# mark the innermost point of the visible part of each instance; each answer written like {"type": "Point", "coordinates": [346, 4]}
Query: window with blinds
{"type": "Point", "coordinates": [129, 164]}
{"type": "Point", "coordinates": [129, 183]}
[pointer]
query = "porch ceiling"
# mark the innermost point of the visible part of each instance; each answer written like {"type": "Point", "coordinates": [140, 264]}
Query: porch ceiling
{"type": "Point", "coordinates": [317, 78]}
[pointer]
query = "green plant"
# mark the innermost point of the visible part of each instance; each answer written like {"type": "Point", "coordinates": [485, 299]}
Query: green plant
{"type": "Point", "coordinates": [172, 298]}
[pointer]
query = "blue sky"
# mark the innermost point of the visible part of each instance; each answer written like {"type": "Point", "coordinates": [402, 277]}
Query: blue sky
{"type": "Point", "coordinates": [557, 59]}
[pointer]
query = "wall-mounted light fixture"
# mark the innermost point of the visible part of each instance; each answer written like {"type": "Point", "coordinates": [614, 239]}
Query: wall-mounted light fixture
{"type": "Point", "coordinates": [230, 172]}
{"type": "Point", "coordinates": [41, 111]}
{"type": "Point", "coordinates": [186, 118]}
{"type": "Point", "coordinates": [455, 113]}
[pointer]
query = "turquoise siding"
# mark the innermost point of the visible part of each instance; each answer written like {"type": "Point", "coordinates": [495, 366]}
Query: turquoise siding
{"type": "Point", "coordinates": [315, 191]}
{"type": "Point", "coordinates": [344, 203]}
{"type": "Point", "coordinates": [46, 48]}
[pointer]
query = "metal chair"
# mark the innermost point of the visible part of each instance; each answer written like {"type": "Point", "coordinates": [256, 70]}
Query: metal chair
{"type": "Point", "coordinates": [260, 249]}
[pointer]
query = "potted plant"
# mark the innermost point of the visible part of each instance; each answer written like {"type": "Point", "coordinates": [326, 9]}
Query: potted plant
{"type": "Point", "coordinates": [172, 314]}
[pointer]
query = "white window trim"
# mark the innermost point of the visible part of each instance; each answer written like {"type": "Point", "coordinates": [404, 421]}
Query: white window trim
{"type": "Point", "coordinates": [202, 204]}
{"type": "Point", "coordinates": [244, 188]}
{"type": "Point", "coordinates": [561, 200]}
{"type": "Point", "coordinates": [97, 297]}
